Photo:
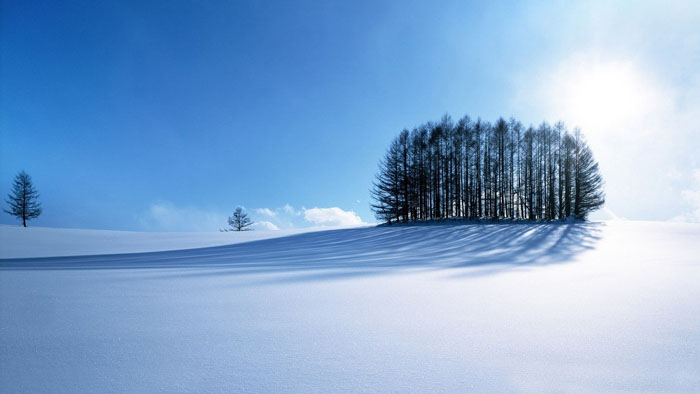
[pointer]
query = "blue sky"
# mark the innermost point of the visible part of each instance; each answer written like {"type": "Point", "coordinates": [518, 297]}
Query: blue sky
{"type": "Point", "coordinates": [166, 115]}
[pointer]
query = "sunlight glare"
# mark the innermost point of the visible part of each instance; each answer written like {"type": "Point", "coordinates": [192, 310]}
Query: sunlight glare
{"type": "Point", "coordinates": [604, 98]}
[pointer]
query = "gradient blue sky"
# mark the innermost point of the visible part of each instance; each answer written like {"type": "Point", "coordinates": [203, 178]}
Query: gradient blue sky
{"type": "Point", "coordinates": [166, 115]}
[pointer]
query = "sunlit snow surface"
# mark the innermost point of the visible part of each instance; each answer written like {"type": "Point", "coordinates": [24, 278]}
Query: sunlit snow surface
{"type": "Point", "coordinates": [18, 242]}
{"type": "Point", "coordinates": [531, 308]}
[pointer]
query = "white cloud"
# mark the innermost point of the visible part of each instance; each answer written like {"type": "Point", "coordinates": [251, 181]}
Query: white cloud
{"type": "Point", "coordinates": [281, 217]}
{"type": "Point", "coordinates": [290, 210]}
{"type": "Point", "coordinates": [691, 198]}
{"type": "Point", "coordinates": [166, 216]}
{"type": "Point", "coordinates": [264, 225]}
{"type": "Point", "coordinates": [333, 216]}
{"type": "Point", "coordinates": [266, 212]}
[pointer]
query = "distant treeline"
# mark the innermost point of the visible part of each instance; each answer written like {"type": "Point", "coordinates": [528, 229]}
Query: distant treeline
{"type": "Point", "coordinates": [478, 170]}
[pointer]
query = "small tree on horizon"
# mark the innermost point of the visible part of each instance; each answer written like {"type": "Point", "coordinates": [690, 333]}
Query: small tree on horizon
{"type": "Point", "coordinates": [239, 221]}
{"type": "Point", "coordinates": [23, 200]}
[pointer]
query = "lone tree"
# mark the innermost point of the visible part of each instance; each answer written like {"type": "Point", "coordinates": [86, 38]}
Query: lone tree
{"type": "Point", "coordinates": [23, 200]}
{"type": "Point", "coordinates": [239, 221]}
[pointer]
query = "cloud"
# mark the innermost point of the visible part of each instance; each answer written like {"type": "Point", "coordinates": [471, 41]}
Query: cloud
{"type": "Point", "coordinates": [266, 212]}
{"type": "Point", "coordinates": [166, 216]}
{"type": "Point", "coordinates": [333, 216]}
{"type": "Point", "coordinates": [281, 217]}
{"type": "Point", "coordinates": [691, 199]}
{"type": "Point", "coordinates": [264, 225]}
{"type": "Point", "coordinates": [287, 216]}
{"type": "Point", "coordinates": [290, 210]}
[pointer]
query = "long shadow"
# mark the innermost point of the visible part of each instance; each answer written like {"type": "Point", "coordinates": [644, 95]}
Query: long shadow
{"type": "Point", "coordinates": [360, 251]}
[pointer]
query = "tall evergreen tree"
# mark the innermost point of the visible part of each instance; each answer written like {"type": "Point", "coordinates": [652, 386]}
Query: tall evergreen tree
{"type": "Point", "coordinates": [588, 182]}
{"type": "Point", "coordinates": [568, 173]}
{"type": "Point", "coordinates": [23, 201]}
{"type": "Point", "coordinates": [386, 190]}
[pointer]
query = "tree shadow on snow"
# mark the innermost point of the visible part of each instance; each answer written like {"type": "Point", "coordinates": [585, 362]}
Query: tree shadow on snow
{"type": "Point", "coordinates": [337, 254]}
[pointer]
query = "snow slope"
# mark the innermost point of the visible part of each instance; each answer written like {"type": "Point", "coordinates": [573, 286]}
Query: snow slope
{"type": "Point", "coordinates": [521, 308]}
{"type": "Point", "coordinates": [19, 242]}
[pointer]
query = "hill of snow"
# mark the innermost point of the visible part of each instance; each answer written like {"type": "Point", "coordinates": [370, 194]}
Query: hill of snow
{"type": "Point", "coordinates": [517, 308]}
{"type": "Point", "coordinates": [20, 242]}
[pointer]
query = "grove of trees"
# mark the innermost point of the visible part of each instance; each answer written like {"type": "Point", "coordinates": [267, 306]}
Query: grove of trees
{"type": "Point", "coordinates": [478, 170]}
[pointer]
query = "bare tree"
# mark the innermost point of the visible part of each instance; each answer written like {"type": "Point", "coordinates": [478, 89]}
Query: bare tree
{"type": "Point", "coordinates": [482, 171]}
{"type": "Point", "coordinates": [23, 200]}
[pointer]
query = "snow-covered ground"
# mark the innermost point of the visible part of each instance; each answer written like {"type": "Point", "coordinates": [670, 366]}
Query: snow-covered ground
{"type": "Point", "coordinates": [524, 308]}
{"type": "Point", "coordinates": [19, 242]}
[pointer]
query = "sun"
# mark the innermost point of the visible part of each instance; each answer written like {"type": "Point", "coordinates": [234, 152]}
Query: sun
{"type": "Point", "coordinates": [602, 97]}
{"type": "Point", "coordinates": [605, 94]}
